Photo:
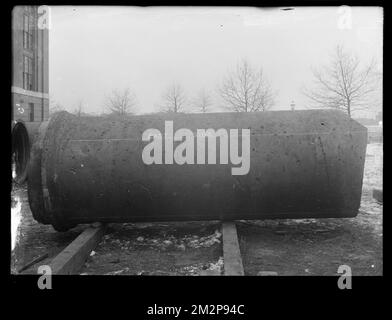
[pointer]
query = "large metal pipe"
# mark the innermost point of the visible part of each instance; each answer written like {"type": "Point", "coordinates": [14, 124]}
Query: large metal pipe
{"type": "Point", "coordinates": [302, 164]}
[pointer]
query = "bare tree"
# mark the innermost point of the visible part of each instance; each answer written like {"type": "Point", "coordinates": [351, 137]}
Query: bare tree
{"type": "Point", "coordinates": [246, 89]}
{"type": "Point", "coordinates": [202, 102]}
{"type": "Point", "coordinates": [120, 102]}
{"type": "Point", "coordinates": [174, 99]}
{"type": "Point", "coordinates": [79, 109]}
{"type": "Point", "coordinates": [343, 84]}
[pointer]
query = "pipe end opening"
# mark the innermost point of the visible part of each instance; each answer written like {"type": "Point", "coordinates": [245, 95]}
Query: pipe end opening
{"type": "Point", "coordinates": [20, 152]}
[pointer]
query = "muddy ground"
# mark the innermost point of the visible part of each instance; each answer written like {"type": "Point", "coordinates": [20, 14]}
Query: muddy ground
{"type": "Point", "coordinates": [287, 247]}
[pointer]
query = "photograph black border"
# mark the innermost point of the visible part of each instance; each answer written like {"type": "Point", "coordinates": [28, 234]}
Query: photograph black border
{"type": "Point", "coordinates": [139, 292]}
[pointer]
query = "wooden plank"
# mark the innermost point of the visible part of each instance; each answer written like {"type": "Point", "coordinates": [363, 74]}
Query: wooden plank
{"type": "Point", "coordinates": [231, 250]}
{"type": "Point", "coordinates": [72, 258]}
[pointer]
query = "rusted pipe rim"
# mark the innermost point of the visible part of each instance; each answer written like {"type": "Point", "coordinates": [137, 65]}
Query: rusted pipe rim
{"type": "Point", "coordinates": [20, 152]}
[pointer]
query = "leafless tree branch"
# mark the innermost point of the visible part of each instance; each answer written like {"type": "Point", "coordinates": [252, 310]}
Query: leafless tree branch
{"type": "Point", "coordinates": [343, 84]}
{"type": "Point", "coordinates": [121, 102]}
{"type": "Point", "coordinates": [246, 90]}
{"type": "Point", "coordinates": [174, 99]}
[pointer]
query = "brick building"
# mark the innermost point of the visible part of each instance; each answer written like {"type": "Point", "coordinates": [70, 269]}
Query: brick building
{"type": "Point", "coordinates": [30, 69]}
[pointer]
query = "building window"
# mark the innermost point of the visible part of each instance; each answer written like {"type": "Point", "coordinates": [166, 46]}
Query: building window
{"type": "Point", "coordinates": [31, 107]}
{"type": "Point", "coordinates": [27, 32]}
{"type": "Point", "coordinates": [27, 73]}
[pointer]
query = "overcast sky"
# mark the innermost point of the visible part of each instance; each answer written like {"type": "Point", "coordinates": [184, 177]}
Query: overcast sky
{"type": "Point", "coordinates": [93, 50]}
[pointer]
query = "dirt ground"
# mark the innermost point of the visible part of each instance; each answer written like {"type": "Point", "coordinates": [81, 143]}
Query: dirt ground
{"type": "Point", "coordinates": [288, 247]}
